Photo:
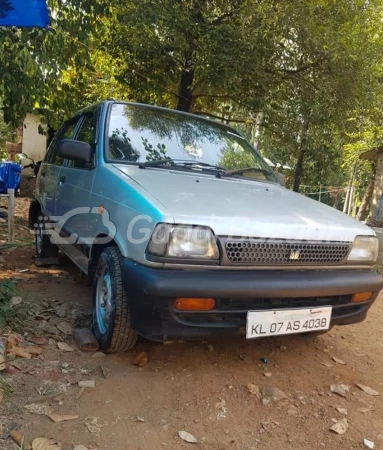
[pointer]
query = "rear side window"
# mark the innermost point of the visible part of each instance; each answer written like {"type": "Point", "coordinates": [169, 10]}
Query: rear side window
{"type": "Point", "coordinates": [86, 133]}
{"type": "Point", "coordinates": [66, 132]}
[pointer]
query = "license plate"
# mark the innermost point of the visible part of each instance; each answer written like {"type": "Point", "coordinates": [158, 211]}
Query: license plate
{"type": "Point", "coordinates": [287, 321]}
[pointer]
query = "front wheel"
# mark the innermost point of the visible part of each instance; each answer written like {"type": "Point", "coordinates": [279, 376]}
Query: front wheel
{"type": "Point", "coordinates": [111, 314]}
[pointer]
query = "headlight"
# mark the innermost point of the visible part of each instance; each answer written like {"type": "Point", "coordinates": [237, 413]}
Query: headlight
{"type": "Point", "coordinates": [365, 249]}
{"type": "Point", "coordinates": [183, 241]}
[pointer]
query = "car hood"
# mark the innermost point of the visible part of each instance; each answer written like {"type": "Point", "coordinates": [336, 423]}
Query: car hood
{"type": "Point", "coordinates": [237, 207]}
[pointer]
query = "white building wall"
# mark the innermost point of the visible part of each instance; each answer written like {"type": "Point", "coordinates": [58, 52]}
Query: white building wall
{"type": "Point", "coordinates": [34, 143]}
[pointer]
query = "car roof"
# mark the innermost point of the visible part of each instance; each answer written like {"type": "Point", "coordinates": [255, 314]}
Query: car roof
{"type": "Point", "coordinates": [107, 102]}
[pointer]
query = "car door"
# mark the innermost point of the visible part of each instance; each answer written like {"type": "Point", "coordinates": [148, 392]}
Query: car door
{"type": "Point", "coordinates": [73, 195]}
{"type": "Point", "coordinates": [49, 172]}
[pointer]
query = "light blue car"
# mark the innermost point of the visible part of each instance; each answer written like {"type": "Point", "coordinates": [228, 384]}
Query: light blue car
{"type": "Point", "coordinates": [185, 232]}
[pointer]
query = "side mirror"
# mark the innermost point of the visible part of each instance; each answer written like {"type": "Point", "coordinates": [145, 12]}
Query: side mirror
{"type": "Point", "coordinates": [75, 150]}
{"type": "Point", "coordinates": [281, 178]}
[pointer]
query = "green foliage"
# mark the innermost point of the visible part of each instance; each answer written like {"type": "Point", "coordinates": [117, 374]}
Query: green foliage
{"type": "Point", "coordinates": [303, 78]}
{"type": "Point", "coordinates": [6, 135]}
{"type": "Point", "coordinates": [7, 290]}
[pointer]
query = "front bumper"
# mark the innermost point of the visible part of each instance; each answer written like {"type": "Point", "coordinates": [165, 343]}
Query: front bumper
{"type": "Point", "coordinates": [151, 293]}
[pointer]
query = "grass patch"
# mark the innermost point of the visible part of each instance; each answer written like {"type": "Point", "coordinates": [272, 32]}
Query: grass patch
{"type": "Point", "coordinates": [7, 291]}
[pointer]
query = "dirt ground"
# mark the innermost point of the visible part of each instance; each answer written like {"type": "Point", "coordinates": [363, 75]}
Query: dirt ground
{"type": "Point", "coordinates": [198, 387]}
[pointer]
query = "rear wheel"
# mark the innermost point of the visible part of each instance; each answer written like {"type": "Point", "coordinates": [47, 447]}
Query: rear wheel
{"type": "Point", "coordinates": [111, 314]}
{"type": "Point", "coordinates": [44, 246]}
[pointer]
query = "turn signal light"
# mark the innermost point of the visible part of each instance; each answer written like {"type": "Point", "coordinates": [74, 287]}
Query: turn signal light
{"type": "Point", "coordinates": [361, 297]}
{"type": "Point", "coordinates": [194, 304]}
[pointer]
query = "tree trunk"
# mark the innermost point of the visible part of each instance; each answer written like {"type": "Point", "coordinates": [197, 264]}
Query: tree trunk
{"type": "Point", "coordinates": [185, 92]}
{"type": "Point", "coordinates": [366, 201]}
{"type": "Point", "coordinates": [302, 151]}
{"type": "Point", "coordinates": [185, 88]}
{"type": "Point", "coordinates": [299, 170]}
{"type": "Point", "coordinates": [348, 198]}
{"type": "Point", "coordinates": [257, 130]}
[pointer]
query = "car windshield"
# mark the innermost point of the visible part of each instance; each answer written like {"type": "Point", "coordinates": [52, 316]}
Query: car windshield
{"type": "Point", "coordinates": [139, 134]}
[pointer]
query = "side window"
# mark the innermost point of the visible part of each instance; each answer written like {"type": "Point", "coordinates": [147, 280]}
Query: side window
{"type": "Point", "coordinates": [66, 132]}
{"type": "Point", "coordinates": [86, 133]}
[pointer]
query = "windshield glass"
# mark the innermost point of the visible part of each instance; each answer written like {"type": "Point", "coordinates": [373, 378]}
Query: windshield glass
{"type": "Point", "coordinates": [139, 134]}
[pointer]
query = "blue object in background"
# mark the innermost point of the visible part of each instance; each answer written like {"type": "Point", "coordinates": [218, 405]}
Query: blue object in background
{"type": "Point", "coordinates": [23, 13]}
{"type": "Point", "coordinates": [9, 175]}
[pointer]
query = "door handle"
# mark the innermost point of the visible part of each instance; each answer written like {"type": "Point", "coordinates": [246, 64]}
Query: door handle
{"type": "Point", "coordinates": [62, 179]}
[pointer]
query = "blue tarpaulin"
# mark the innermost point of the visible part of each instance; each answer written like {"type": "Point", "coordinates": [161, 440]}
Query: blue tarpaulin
{"type": "Point", "coordinates": [10, 173]}
{"type": "Point", "coordinates": [23, 13]}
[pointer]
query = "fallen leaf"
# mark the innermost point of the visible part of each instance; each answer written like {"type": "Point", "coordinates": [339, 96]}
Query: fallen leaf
{"type": "Point", "coordinates": [63, 346]}
{"type": "Point", "coordinates": [187, 437]}
{"type": "Point", "coordinates": [42, 409]}
{"type": "Point", "coordinates": [94, 424]}
{"type": "Point", "coordinates": [340, 427]}
{"type": "Point", "coordinates": [138, 419]}
{"type": "Point", "coordinates": [340, 389]}
{"type": "Point", "coordinates": [62, 417]}
{"type": "Point", "coordinates": [106, 372]}
{"type": "Point", "coordinates": [141, 359]}
{"type": "Point", "coordinates": [20, 352]}
{"type": "Point", "coordinates": [43, 316]}
{"type": "Point", "coordinates": [34, 350]}
{"type": "Point", "coordinates": [16, 301]}
{"type": "Point", "coordinates": [73, 378]}
{"type": "Point", "coordinates": [38, 340]}
{"type": "Point", "coordinates": [13, 340]}
{"type": "Point", "coordinates": [80, 392]}
{"type": "Point", "coordinates": [61, 311]}
{"type": "Point", "coordinates": [23, 270]}
{"type": "Point", "coordinates": [326, 364]}
{"type": "Point", "coordinates": [87, 384]}
{"type": "Point", "coordinates": [252, 388]}
{"type": "Point", "coordinates": [365, 409]}
{"type": "Point", "coordinates": [339, 361]}
{"type": "Point", "coordinates": [292, 410]}
{"type": "Point", "coordinates": [45, 444]}
{"type": "Point", "coordinates": [16, 364]}
{"type": "Point", "coordinates": [65, 328]}
{"type": "Point", "coordinates": [342, 411]}
{"type": "Point", "coordinates": [98, 355]}
{"type": "Point", "coordinates": [267, 374]}
{"type": "Point", "coordinates": [220, 404]}
{"type": "Point", "coordinates": [367, 389]}
{"type": "Point", "coordinates": [272, 394]}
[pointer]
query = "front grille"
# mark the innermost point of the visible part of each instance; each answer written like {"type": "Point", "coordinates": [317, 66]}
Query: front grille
{"type": "Point", "coordinates": [285, 252]}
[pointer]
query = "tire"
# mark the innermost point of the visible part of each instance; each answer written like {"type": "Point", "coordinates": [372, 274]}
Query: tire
{"type": "Point", "coordinates": [43, 244]}
{"type": "Point", "coordinates": [111, 314]}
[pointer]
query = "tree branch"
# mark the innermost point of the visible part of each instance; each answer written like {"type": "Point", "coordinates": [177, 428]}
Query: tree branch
{"type": "Point", "coordinates": [293, 71]}
{"type": "Point", "coordinates": [223, 119]}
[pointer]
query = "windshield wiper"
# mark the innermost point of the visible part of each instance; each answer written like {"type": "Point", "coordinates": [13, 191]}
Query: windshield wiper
{"type": "Point", "coordinates": [197, 163]}
{"type": "Point", "coordinates": [174, 163]}
{"type": "Point", "coordinates": [156, 163]}
{"type": "Point", "coordinates": [228, 173]}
